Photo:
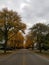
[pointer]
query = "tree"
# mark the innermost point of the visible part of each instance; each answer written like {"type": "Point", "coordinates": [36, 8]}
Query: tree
{"type": "Point", "coordinates": [1, 35]}
{"type": "Point", "coordinates": [16, 41]}
{"type": "Point", "coordinates": [38, 30]}
{"type": "Point", "coordinates": [19, 40]}
{"type": "Point", "coordinates": [10, 20]}
{"type": "Point", "coordinates": [29, 41]}
{"type": "Point", "coordinates": [46, 42]}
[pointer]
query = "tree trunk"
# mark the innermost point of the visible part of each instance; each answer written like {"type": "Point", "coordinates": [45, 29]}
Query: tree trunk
{"type": "Point", "coordinates": [40, 47]}
{"type": "Point", "coordinates": [40, 50]}
{"type": "Point", "coordinates": [6, 39]}
{"type": "Point", "coordinates": [5, 45]}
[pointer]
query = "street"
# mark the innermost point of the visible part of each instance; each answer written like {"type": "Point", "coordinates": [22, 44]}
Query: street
{"type": "Point", "coordinates": [23, 57]}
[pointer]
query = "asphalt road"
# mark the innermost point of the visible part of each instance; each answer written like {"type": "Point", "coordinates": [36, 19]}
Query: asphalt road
{"type": "Point", "coordinates": [23, 57]}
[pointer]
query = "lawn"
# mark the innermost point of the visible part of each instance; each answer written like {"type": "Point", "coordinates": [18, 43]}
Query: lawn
{"type": "Point", "coordinates": [43, 53]}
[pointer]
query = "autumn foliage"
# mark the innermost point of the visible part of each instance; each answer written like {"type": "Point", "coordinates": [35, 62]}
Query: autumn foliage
{"type": "Point", "coordinates": [28, 41]}
{"type": "Point", "coordinates": [10, 21]}
{"type": "Point", "coordinates": [16, 41]}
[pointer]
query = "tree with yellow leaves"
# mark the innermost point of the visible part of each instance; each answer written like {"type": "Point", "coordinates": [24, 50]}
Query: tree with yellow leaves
{"type": "Point", "coordinates": [16, 41]}
{"type": "Point", "coordinates": [10, 20]}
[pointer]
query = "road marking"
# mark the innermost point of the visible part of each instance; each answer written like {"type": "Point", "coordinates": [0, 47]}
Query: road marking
{"type": "Point", "coordinates": [24, 59]}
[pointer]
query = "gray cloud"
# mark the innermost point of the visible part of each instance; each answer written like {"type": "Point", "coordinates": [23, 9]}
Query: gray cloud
{"type": "Point", "coordinates": [36, 10]}
{"type": "Point", "coordinates": [31, 11]}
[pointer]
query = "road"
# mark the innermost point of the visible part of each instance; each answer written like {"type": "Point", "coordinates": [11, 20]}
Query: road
{"type": "Point", "coordinates": [23, 57]}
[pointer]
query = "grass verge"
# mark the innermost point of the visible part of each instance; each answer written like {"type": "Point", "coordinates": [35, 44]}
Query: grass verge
{"type": "Point", "coordinates": [43, 53]}
{"type": "Point", "coordinates": [3, 54]}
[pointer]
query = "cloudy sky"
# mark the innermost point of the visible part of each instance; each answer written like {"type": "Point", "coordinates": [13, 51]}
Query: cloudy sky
{"type": "Point", "coordinates": [31, 11]}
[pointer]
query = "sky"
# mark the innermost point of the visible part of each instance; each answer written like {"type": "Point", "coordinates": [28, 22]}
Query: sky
{"type": "Point", "coordinates": [31, 11]}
